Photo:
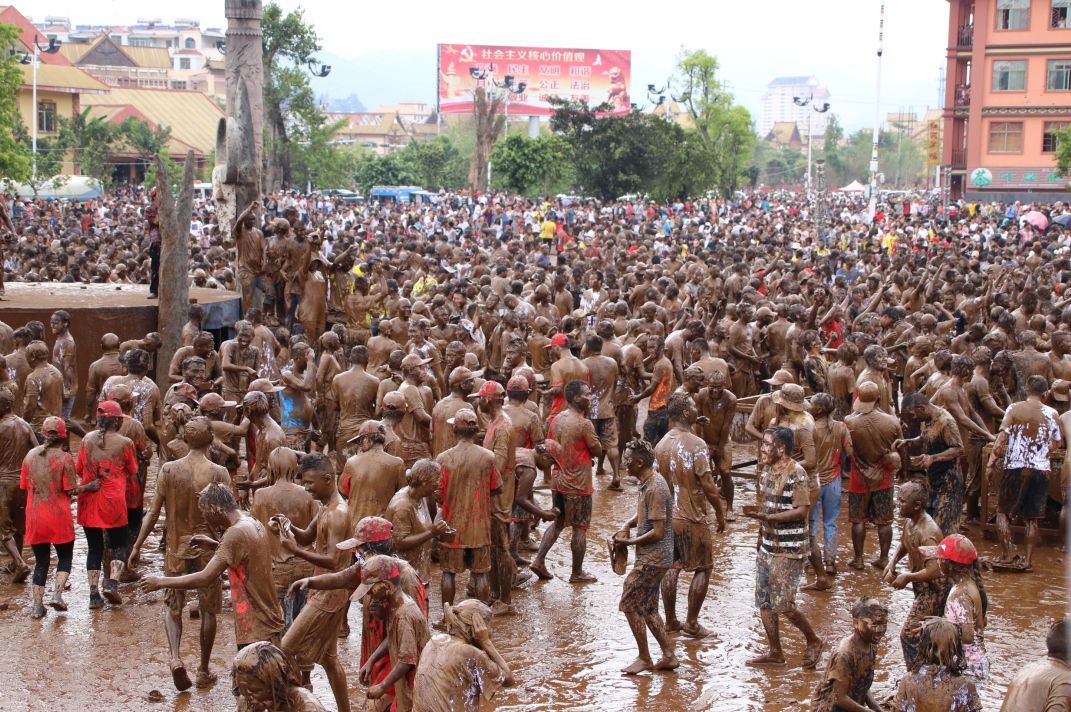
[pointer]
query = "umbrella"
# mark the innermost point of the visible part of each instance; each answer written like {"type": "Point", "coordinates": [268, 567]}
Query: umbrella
{"type": "Point", "coordinates": [1064, 220]}
{"type": "Point", "coordinates": [1037, 219]}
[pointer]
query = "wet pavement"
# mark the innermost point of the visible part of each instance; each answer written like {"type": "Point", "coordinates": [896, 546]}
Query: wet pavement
{"type": "Point", "coordinates": [566, 646]}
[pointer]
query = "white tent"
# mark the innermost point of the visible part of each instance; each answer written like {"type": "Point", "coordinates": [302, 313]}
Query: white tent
{"type": "Point", "coordinates": [853, 187]}
{"type": "Point", "coordinates": [65, 188]}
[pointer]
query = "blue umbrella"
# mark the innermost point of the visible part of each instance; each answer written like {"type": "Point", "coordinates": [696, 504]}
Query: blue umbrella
{"type": "Point", "coordinates": [1064, 220]}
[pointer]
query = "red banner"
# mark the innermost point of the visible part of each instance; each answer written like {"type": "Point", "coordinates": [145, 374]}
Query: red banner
{"type": "Point", "coordinates": [535, 74]}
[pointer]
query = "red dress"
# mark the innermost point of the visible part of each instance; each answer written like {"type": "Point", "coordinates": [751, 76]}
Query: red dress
{"type": "Point", "coordinates": [47, 479]}
{"type": "Point", "coordinates": [105, 508]}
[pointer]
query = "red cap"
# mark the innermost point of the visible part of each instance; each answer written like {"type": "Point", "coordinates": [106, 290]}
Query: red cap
{"type": "Point", "coordinates": [955, 548]}
{"type": "Point", "coordinates": [368, 530]}
{"type": "Point", "coordinates": [490, 389]}
{"type": "Point", "coordinates": [518, 384]}
{"type": "Point", "coordinates": [558, 340]}
{"type": "Point", "coordinates": [186, 390]}
{"type": "Point", "coordinates": [109, 408]}
{"type": "Point", "coordinates": [55, 426]}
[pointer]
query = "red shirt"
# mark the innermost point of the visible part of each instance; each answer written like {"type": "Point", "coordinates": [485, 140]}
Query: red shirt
{"type": "Point", "coordinates": [105, 508]}
{"type": "Point", "coordinates": [48, 506]}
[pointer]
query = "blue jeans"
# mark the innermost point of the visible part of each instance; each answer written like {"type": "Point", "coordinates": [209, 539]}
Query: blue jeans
{"type": "Point", "coordinates": [829, 503]}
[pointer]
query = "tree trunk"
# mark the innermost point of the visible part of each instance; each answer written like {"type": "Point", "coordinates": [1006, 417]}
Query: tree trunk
{"type": "Point", "coordinates": [488, 125]}
{"type": "Point", "coordinates": [174, 213]}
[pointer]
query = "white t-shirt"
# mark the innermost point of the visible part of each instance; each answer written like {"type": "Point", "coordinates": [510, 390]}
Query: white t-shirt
{"type": "Point", "coordinates": [1029, 436]}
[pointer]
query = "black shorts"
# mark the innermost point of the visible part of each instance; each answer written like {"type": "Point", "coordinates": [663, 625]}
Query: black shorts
{"type": "Point", "coordinates": [1023, 492]}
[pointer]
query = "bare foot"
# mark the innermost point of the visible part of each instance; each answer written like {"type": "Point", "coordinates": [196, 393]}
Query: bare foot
{"type": "Point", "coordinates": [672, 626]}
{"type": "Point", "coordinates": [205, 679]}
{"type": "Point", "coordinates": [814, 652]}
{"type": "Point", "coordinates": [767, 659]}
{"type": "Point", "coordinates": [540, 570]}
{"type": "Point", "coordinates": [831, 568]}
{"type": "Point", "coordinates": [638, 665]}
{"type": "Point", "coordinates": [857, 564]}
{"type": "Point", "coordinates": [582, 577]}
{"type": "Point", "coordinates": [521, 561]}
{"type": "Point", "coordinates": [521, 578]}
{"type": "Point", "coordinates": [20, 574]}
{"type": "Point", "coordinates": [180, 677]}
{"type": "Point", "coordinates": [503, 609]}
{"type": "Point", "coordinates": [615, 486]}
{"type": "Point", "coordinates": [729, 516]}
{"type": "Point", "coordinates": [880, 564]}
{"type": "Point", "coordinates": [667, 663]}
{"type": "Point", "coordinates": [698, 632]}
{"type": "Point", "coordinates": [821, 584]}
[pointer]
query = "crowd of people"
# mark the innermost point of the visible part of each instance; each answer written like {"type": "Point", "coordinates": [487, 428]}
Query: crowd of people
{"type": "Point", "coordinates": [410, 382]}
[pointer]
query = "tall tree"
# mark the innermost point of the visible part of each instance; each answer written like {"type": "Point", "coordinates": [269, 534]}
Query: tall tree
{"type": "Point", "coordinates": [290, 108]}
{"type": "Point", "coordinates": [489, 124]}
{"type": "Point", "coordinates": [726, 128]}
{"type": "Point", "coordinates": [91, 140]}
{"type": "Point", "coordinates": [1063, 151]}
{"type": "Point", "coordinates": [833, 152]}
{"type": "Point", "coordinates": [14, 163]}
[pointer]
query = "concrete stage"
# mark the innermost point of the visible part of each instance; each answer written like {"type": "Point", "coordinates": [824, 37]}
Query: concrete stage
{"type": "Point", "coordinates": [96, 309]}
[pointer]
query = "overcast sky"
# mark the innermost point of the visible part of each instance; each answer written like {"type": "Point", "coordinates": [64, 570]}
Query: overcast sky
{"type": "Point", "coordinates": [755, 41]}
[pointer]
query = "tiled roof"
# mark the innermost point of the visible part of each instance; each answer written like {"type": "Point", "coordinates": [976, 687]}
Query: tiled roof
{"type": "Point", "coordinates": [192, 116]}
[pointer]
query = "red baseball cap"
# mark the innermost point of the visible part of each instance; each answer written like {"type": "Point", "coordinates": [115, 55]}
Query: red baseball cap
{"type": "Point", "coordinates": [54, 426]}
{"type": "Point", "coordinates": [490, 389]}
{"type": "Point", "coordinates": [376, 570]}
{"type": "Point", "coordinates": [558, 340]}
{"type": "Point", "coordinates": [954, 547]}
{"type": "Point", "coordinates": [109, 408]}
{"type": "Point", "coordinates": [518, 384]}
{"type": "Point", "coordinates": [368, 530]}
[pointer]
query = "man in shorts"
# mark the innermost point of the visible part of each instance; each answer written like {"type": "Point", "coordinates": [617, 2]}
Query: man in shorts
{"type": "Point", "coordinates": [177, 488]}
{"type": "Point", "coordinates": [684, 460]}
{"type": "Point", "coordinates": [469, 481]}
{"type": "Point", "coordinates": [783, 502]}
{"type": "Point", "coordinates": [654, 555]}
{"type": "Point", "coordinates": [1029, 431]}
{"type": "Point", "coordinates": [575, 447]}
{"type": "Point", "coordinates": [870, 487]}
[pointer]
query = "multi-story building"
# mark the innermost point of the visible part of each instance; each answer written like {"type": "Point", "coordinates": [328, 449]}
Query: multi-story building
{"type": "Point", "coordinates": [387, 128]}
{"type": "Point", "coordinates": [1008, 92]}
{"type": "Point", "coordinates": [779, 106]}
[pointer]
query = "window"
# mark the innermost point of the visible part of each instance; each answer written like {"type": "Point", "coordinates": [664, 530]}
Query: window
{"type": "Point", "coordinates": [178, 86]}
{"type": "Point", "coordinates": [1009, 75]}
{"type": "Point", "coordinates": [1059, 76]}
{"type": "Point", "coordinates": [1013, 14]}
{"type": "Point", "coordinates": [46, 116]}
{"type": "Point", "coordinates": [1060, 10]}
{"type": "Point", "coordinates": [184, 63]}
{"type": "Point", "coordinates": [1006, 137]}
{"type": "Point", "coordinates": [1049, 139]}
{"type": "Point", "coordinates": [190, 43]}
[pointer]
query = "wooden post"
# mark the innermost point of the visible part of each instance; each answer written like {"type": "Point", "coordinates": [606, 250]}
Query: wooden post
{"type": "Point", "coordinates": [174, 213]}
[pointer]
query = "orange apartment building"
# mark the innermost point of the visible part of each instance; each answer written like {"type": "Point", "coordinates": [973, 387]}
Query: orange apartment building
{"type": "Point", "coordinates": [1008, 92]}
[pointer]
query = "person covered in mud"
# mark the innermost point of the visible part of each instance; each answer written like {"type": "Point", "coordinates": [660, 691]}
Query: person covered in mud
{"type": "Point", "coordinates": [1029, 432]}
{"type": "Point", "coordinates": [244, 553]}
{"type": "Point", "coordinates": [313, 636]}
{"type": "Point", "coordinates": [966, 603]}
{"type": "Point", "coordinates": [1045, 684]}
{"type": "Point", "coordinates": [833, 447]}
{"type": "Point", "coordinates": [849, 675]}
{"type": "Point", "coordinates": [572, 480]}
{"type": "Point", "coordinates": [942, 448]}
{"type": "Point", "coordinates": [654, 555]}
{"type": "Point", "coordinates": [783, 499]}
{"type": "Point", "coordinates": [407, 632]}
{"type": "Point", "coordinates": [938, 683]}
{"type": "Point", "coordinates": [875, 435]}
{"type": "Point", "coordinates": [461, 668]}
{"type": "Point", "coordinates": [16, 440]}
{"type": "Point", "coordinates": [684, 460]}
{"type": "Point", "coordinates": [177, 488]}
{"type": "Point", "coordinates": [267, 680]}
{"type": "Point", "coordinates": [924, 574]}
{"type": "Point", "coordinates": [469, 481]}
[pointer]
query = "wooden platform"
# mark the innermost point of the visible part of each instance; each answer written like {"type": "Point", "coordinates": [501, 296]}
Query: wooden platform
{"type": "Point", "coordinates": [97, 309]}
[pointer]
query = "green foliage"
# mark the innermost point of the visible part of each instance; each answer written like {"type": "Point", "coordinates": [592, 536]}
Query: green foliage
{"type": "Point", "coordinates": [174, 174]}
{"type": "Point", "coordinates": [293, 121]}
{"type": "Point", "coordinates": [725, 128]}
{"type": "Point", "coordinates": [430, 161]}
{"type": "Point", "coordinates": [833, 153]}
{"type": "Point", "coordinates": [92, 141]}
{"type": "Point", "coordinates": [145, 140]}
{"type": "Point", "coordinates": [14, 161]}
{"type": "Point", "coordinates": [391, 169]}
{"type": "Point", "coordinates": [1063, 151]}
{"type": "Point", "coordinates": [527, 165]}
{"type": "Point", "coordinates": [50, 152]}
{"type": "Point", "coordinates": [635, 153]}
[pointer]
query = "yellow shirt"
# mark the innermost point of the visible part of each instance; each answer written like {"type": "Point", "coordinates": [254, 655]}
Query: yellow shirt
{"type": "Point", "coordinates": [550, 229]}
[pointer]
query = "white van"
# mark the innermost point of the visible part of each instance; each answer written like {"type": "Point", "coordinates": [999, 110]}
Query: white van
{"type": "Point", "coordinates": [201, 193]}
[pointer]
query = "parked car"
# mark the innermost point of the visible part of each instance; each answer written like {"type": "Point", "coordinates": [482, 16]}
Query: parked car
{"type": "Point", "coordinates": [347, 196]}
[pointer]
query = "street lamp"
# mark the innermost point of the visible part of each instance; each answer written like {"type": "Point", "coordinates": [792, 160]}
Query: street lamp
{"type": "Point", "coordinates": [817, 109]}
{"type": "Point", "coordinates": [35, 60]}
{"type": "Point", "coordinates": [321, 72]}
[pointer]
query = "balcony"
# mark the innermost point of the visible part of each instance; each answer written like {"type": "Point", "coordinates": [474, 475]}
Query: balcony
{"type": "Point", "coordinates": [959, 158]}
{"type": "Point", "coordinates": [962, 98]}
{"type": "Point", "coordinates": [965, 36]}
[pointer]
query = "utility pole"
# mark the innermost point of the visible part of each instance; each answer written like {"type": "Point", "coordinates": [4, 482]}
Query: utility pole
{"type": "Point", "coordinates": [872, 209]}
